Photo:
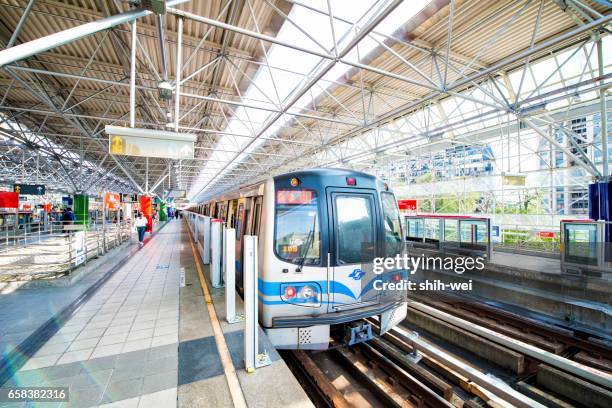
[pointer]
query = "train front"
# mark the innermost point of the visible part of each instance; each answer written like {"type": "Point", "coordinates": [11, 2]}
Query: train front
{"type": "Point", "coordinates": [327, 233]}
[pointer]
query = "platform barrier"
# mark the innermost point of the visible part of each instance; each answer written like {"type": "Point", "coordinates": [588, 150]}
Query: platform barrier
{"type": "Point", "coordinates": [206, 240]}
{"type": "Point", "coordinates": [252, 358]}
{"type": "Point", "coordinates": [216, 249]}
{"type": "Point", "coordinates": [460, 235]}
{"type": "Point", "coordinates": [223, 270]}
{"type": "Point", "coordinates": [229, 275]}
{"type": "Point", "coordinates": [586, 247]}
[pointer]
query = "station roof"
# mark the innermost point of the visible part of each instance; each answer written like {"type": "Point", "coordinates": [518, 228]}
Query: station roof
{"type": "Point", "coordinates": [267, 85]}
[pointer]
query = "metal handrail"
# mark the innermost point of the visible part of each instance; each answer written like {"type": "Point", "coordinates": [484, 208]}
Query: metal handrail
{"type": "Point", "coordinates": [57, 248]}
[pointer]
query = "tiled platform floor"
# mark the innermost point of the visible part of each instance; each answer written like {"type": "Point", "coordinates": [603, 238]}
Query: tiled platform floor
{"type": "Point", "coordinates": [121, 345]}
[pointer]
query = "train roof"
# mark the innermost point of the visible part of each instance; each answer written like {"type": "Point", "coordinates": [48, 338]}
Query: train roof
{"type": "Point", "coordinates": [317, 172]}
{"type": "Point", "coordinates": [327, 171]}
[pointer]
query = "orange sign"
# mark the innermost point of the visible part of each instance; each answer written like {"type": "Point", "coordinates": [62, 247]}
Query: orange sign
{"type": "Point", "coordinates": [47, 207]}
{"type": "Point", "coordinates": [112, 201]}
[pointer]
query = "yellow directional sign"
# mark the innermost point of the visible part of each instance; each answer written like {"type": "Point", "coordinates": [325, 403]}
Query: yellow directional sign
{"type": "Point", "coordinates": [117, 146]}
{"type": "Point", "coordinates": [136, 146]}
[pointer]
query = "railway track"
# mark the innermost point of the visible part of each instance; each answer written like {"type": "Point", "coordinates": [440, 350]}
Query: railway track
{"type": "Point", "coordinates": [582, 347]}
{"type": "Point", "coordinates": [403, 368]}
{"type": "Point", "coordinates": [366, 375]}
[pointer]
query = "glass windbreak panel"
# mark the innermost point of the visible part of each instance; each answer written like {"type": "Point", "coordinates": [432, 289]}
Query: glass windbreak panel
{"type": "Point", "coordinates": [355, 228]}
{"type": "Point", "coordinates": [392, 224]}
{"type": "Point", "coordinates": [581, 243]}
{"type": "Point", "coordinates": [432, 229]}
{"type": "Point", "coordinates": [414, 229]}
{"type": "Point", "coordinates": [297, 237]}
{"type": "Point", "coordinates": [473, 231]}
{"type": "Point", "coordinates": [450, 230]}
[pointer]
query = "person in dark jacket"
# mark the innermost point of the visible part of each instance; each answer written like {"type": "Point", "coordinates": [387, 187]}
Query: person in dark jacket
{"type": "Point", "coordinates": [68, 218]}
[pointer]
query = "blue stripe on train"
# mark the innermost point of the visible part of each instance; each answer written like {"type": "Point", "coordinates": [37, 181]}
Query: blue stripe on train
{"type": "Point", "coordinates": [268, 288]}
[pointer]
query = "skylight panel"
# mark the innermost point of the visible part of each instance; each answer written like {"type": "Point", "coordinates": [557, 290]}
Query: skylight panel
{"type": "Point", "coordinates": [279, 84]}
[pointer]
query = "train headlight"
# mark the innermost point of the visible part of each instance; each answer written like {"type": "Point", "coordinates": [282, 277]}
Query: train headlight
{"type": "Point", "coordinates": [308, 292]}
{"type": "Point", "coordinates": [301, 293]}
{"type": "Point", "coordinates": [290, 292]}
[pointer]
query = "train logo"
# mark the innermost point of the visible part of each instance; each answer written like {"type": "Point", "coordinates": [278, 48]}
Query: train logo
{"type": "Point", "coordinates": [357, 274]}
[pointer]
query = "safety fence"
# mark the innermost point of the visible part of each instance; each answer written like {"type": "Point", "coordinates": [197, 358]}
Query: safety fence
{"type": "Point", "coordinates": [41, 251]}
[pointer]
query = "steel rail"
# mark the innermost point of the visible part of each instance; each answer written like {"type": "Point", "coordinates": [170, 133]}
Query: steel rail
{"type": "Point", "coordinates": [588, 373]}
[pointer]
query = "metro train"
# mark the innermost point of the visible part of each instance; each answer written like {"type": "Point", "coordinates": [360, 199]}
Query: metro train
{"type": "Point", "coordinates": [318, 232]}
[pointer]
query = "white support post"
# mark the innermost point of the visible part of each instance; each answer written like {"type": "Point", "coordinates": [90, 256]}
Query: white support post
{"type": "Point", "coordinates": [133, 75]}
{"type": "Point", "coordinates": [252, 358]}
{"type": "Point", "coordinates": [179, 68]}
{"type": "Point", "coordinates": [206, 241]}
{"type": "Point", "coordinates": [229, 275]}
{"type": "Point", "coordinates": [215, 266]}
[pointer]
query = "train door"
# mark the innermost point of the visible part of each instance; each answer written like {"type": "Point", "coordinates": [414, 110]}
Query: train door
{"type": "Point", "coordinates": [256, 215]}
{"type": "Point", "coordinates": [239, 226]}
{"type": "Point", "coordinates": [354, 236]}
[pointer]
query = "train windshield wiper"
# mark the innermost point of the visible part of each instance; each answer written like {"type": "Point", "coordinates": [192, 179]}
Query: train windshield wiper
{"type": "Point", "coordinates": [306, 246]}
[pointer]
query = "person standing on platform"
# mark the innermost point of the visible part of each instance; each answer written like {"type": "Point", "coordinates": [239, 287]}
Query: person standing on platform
{"type": "Point", "coordinates": [68, 218]}
{"type": "Point", "coordinates": [141, 225]}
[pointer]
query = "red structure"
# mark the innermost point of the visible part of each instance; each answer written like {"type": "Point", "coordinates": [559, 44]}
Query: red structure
{"type": "Point", "coordinates": [146, 207]}
{"type": "Point", "coordinates": [9, 199]}
{"type": "Point", "coordinates": [407, 204]}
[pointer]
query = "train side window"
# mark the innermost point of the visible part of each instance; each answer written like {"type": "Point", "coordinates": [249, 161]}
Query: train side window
{"type": "Point", "coordinates": [392, 224]}
{"type": "Point", "coordinates": [355, 228]}
{"type": "Point", "coordinates": [239, 218]}
{"type": "Point", "coordinates": [256, 216]}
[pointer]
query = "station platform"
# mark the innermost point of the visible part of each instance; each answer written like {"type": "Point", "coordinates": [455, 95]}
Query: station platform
{"type": "Point", "coordinates": [144, 338]}
{"type": "Point", "coordinates": [533, 263]}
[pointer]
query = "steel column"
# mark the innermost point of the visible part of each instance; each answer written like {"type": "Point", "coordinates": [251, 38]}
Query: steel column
{"type": "Point", "coordinates": [133, 74]}
{"type": "Point", "coordinates": [604, 116]}
{"type": "Point", "coordinates": [179, 67]}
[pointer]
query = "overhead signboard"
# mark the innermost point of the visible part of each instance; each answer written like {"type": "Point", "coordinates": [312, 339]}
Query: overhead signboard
{"type": "Point", "coordinates": [29, 189]}
{"type": "Point", "coordinates": [112, 201]}
{"type": "Point", "coordinates": [150, 143]}
{"type": "Point", "coordinates": [176, 194]}
{"type": "Point", "coordinates": [129, 198]}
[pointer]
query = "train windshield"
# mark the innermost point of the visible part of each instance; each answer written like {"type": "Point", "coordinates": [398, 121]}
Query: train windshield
{"type": "Point", "coordinates": [392, 224]}
{"type": "Point", "coordinates": [297, 238]}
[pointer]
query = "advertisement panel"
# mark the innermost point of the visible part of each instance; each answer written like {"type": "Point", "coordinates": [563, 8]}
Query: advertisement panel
{"type": "Point", "coordinates": [112, 201]}
{"type": "Point", "coordinates": [9, 199]}
{"type": "Point", "coordinates": [407, 205]}
{"type": "Point", "coordinates": [78, 251]}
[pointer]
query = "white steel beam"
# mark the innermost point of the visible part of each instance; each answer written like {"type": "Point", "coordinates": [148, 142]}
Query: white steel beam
{"type": "Point", "coordinates": [48, 42]}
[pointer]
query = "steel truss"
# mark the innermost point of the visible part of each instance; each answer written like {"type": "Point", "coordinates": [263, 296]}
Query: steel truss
{"type": "Point", "coordinates": [418, 86]}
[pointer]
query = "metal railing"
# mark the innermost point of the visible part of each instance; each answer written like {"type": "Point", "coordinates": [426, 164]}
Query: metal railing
{"type": "Point", "coordinates": [521, 237]}
{"type": "Point", "coordinates": [39, 251]}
